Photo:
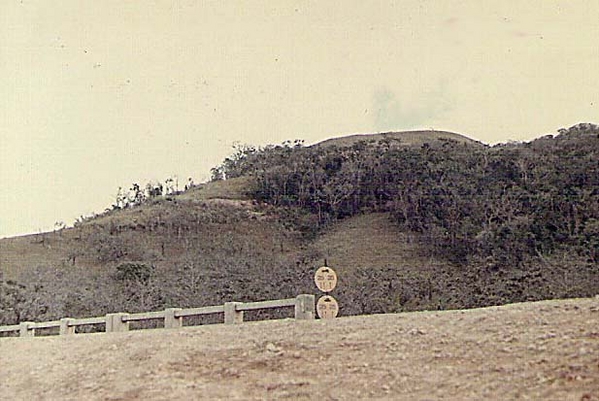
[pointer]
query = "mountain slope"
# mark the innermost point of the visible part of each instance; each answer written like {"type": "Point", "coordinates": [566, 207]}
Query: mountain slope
{"type": "Point", "coordinates": [437, 225]}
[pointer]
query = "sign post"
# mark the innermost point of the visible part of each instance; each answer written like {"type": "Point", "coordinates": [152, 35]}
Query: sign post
{"type": "Point", "coordinates": [327, 307]}
{"type": "Point", "coordinates": [325, 279]}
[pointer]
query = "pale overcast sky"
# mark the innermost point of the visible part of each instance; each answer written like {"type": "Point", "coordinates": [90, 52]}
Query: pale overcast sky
{"type": "Point", "coordinates": [101, 94]}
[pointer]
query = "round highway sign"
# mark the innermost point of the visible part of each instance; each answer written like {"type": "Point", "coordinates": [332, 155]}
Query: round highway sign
{"type": "Point", "coordinates": [327, 307]}
{"type": "Point", "coordinates": [325, 279]}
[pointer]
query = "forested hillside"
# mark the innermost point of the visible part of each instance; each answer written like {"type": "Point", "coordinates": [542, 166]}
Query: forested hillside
{"type": "Point", "coordinates": [467, 202]}
{"type": "Point", "coordinates": [524, 216]}
{"type": "Point", "coordinates": [419, 221]}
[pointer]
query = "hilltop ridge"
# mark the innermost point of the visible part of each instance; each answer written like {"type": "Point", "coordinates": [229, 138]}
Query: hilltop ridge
{"type": "Point", "coordinates": [402, 138]}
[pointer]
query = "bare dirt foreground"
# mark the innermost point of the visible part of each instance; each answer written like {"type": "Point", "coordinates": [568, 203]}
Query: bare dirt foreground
{"type": "Point", "coordinates": [544, 351]}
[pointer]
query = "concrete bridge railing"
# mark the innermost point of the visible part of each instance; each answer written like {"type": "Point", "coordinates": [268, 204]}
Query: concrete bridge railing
{"type": "Point", "coordinates": [304, 305]}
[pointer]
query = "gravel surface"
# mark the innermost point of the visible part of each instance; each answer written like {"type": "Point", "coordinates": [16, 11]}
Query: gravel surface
{"type": "Point", "coordinates": [540, 351]}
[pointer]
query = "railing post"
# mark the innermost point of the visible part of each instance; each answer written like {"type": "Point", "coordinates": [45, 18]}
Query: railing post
{"type": "Point", "coordinates": [170, 320]}
{"type": "Point", "coordinates": [25, 331]}
{"type": "Point", "coordinates": [232, 315]}
{"type": "Point", "coordinates": [65, 329]}
{"type": "Point", "coordinates": [115, 323]}
{"type": "Point", "coordinates": [305, 307]}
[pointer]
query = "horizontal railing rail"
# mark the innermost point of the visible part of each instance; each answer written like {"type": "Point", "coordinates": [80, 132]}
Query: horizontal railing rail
{"type": "Point", "coordinates": [8, 329]}
{"type": "Point", "coordinates": [45, 325]}
{"type": "Point", "coordinates": [304, 305]}
{"type": "Point", "coordinates": [88, 321]}
{"type": "Point", "coordinates": [266, 304]}
{"type": "Point", "coordinates": [140, 317]}
{"type": "Point", "coordinates": [206, 310]}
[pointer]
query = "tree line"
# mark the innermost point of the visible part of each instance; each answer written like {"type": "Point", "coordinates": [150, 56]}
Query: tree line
{"type": "Point", "coordinates": [137, 194]}
{"type": "Point", "coordinates": [502, 204]}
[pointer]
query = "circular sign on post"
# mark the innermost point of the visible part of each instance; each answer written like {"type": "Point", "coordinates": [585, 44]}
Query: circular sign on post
{"type": "Point", "coordinates": [325, 279]}
{"type": "Point", "coordinates": [327, 307]}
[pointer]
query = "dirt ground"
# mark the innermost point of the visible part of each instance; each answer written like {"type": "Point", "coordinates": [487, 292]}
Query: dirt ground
{"type": "Point", "coordinates": [542, 351]}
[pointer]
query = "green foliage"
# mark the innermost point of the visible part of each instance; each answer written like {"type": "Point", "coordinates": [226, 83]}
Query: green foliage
{"type": "Point", "coordinates": [48, 293]}
{"type": "Point", "coordinates": [506, 203]}
{"type": "Point", "coordinates": [133, 272]}
{"type": "Point", "coordinates": [13, 302]}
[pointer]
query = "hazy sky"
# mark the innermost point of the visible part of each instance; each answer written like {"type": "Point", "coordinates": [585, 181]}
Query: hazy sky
{"type": "Point", "coordinates": [101, 94]}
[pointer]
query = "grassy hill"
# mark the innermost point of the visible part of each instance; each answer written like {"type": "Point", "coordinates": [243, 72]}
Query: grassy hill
{"type": "Point", "coordinates": [410, 221]}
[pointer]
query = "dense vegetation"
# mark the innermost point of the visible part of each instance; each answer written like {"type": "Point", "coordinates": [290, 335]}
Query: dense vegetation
{"type": "Point", "coordinates": [524, 215]}
{"type": "Point", "coordinates": [506, 223]}
{"type": "Point", "coordinates": [504, 204]}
